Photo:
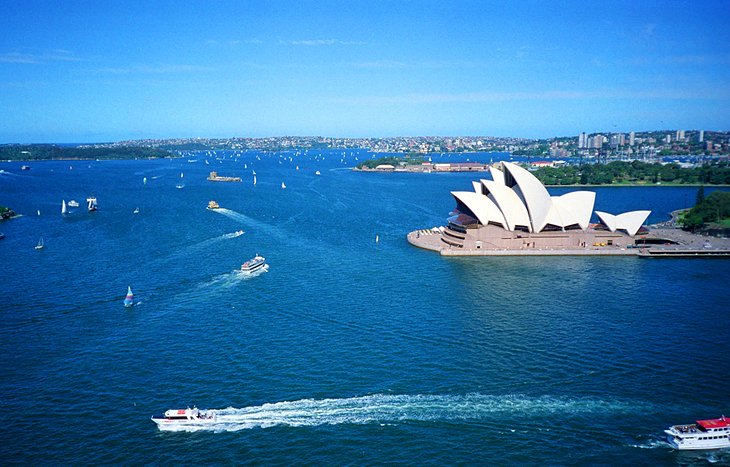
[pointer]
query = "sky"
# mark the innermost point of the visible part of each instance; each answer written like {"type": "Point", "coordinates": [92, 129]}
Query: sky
{"type": "Point", "coordinates": [98, 70]}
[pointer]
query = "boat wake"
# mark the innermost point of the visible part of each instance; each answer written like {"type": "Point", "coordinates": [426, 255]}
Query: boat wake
{"type": "Point", "coordinates": [233, 278]}
{"type": "Point", "coordinates": [387, 409]}
{"type": "Point", "coordinates": [249, 221]}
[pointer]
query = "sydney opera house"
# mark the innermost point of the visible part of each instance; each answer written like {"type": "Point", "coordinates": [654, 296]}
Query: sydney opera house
{"type": "Point", "coordinates": [514, 211]}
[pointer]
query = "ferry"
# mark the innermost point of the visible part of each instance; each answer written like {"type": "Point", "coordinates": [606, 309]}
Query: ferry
{"type": "Point", "coordinates": [213, 205]}
{"type": "Point", "coordinates": [255, 264]}
{"type": "Point", "coordinates": [184, 418]}
{"type": "Point", "coordinates": [704, 434]}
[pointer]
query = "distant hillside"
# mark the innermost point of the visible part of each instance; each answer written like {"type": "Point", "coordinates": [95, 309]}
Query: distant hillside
{"type": "Point", "coordinates": [39, 152]}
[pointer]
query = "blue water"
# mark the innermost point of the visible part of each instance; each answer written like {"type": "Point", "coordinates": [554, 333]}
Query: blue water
{"type": "Point", "coordinates": [345, 351]}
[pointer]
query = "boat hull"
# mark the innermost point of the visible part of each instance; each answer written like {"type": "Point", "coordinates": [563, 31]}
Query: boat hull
{"type": "Point", "coordinates": [691, 443]}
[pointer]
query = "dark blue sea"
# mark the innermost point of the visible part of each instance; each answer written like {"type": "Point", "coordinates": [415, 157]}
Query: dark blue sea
{"type": "Point", "coordinates": [347, 351]}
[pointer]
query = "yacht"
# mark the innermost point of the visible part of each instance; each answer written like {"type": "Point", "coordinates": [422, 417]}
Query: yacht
{"type": "Point", "coordinates": [92, 203]}
{"type": "Point", "coordinates": [257, 263]}
{"type": "Point", "coordinates": [713, 433]}
{"type": "Point", "coordinates": [184, 418]}
{"type": "Point", "coordinates": [73, 203]}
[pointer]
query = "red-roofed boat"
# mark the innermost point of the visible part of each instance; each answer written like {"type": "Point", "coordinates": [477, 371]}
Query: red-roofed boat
{"type": "Point", "coordinates": [713, 433]}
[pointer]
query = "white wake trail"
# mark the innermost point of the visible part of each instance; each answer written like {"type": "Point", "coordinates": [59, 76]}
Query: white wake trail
{"type": "Point", "coordinates": [382, 408]}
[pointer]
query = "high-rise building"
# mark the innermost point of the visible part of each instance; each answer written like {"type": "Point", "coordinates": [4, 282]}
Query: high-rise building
{"type": "Point", "coordinates": [582, 141]}
{"type": "Point", "coordinates": [597, 141]}
{"type": "Point", "coordinates": [680, 135]}
{"type": "Point", "coordinates": [702, 136]}
{"type": "Point", "coordinates": [668, 139]}
{"type": "Point", "coordinates": [632, 138]}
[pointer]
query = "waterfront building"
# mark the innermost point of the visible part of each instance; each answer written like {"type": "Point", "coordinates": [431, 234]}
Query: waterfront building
{"type": "Point", "coordinates": [514, 211]}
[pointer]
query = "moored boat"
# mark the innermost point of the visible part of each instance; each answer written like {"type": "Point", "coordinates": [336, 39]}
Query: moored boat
{"type": "Point", "coordinates": [257, 263]}
{"type": "Point", "coordinates": [713, 433]}
{"type": "Point", "coordinates": [183, 418]}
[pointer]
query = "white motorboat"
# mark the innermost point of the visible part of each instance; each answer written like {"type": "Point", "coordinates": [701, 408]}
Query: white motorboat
{"type": "Point", "coordinates": [73, 203]}
{"type": "Point", "coordinates": [704, 434]}
{"type": "Point", "coordinates": [184, 418]}
{"type": "Point", "coordinates": [257, 263]}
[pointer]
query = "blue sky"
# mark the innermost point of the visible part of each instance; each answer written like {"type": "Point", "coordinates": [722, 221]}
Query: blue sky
{"type": "Point", "coordinates": [84, 71]}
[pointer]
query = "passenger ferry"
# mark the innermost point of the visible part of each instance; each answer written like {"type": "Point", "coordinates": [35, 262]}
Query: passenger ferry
{"type": "Point", "coordinates": [257, 263]}
{"type": "Point", "coordinates": [704, 434]}
{"type": "Point", "coordinates": [184, 418]}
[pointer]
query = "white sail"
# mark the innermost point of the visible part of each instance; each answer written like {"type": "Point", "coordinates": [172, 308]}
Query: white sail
{"type": "Point", "coordinates": [254, 180]}
{"type": "Point", "coordinates": [64, 209]}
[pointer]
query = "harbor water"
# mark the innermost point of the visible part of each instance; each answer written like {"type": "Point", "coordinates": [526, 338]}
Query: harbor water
{"type": "Point", "coordinates": [347, 351]}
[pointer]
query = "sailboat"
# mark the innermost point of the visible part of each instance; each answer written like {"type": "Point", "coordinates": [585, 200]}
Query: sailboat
{"type": "Point", "coordinates": [254, 179]}
{"type": "Point", "coordinates": [129, 299]}
{"type": "Point", "coordinates": [40, 244]}
{"type": "Point", "coordinates": [181, 184]}
{"type": "Point", "coordinates": [283, 185]}
{"type": "Point", "coordinates": [92, 203]}
{"type": "Point", "coordinates": [64, 209]}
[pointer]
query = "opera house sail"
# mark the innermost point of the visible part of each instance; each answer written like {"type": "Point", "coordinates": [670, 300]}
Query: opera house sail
{"type": "Point", "coordinates": [514, 211]}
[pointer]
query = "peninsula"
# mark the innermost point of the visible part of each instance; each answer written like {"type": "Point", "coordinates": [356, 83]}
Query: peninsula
{"type": "Point", "coordinates": [512, 214]}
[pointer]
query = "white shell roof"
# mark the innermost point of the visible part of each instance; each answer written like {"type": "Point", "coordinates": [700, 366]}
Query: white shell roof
{"type": "Point", "coordinates": [575, 207]}
{"type": "Point", "coordinates": [631, 221]}
{"type": "Point", "coordinates": [535, 195]}
{"type": "Point", "coordinates": [481, 206]}
{"type": "Point", "coordinates": [510, 205]}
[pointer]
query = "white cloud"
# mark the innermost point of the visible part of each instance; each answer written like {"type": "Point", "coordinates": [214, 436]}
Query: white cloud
{"type": "Point", "coordinates": [58, 55]}
{"type": "Point", "coordinates": [155, 69]}
{"type": "Point", "coordinates": [319, 42]}
{"type": "Point", "coordinates": [554, 95]}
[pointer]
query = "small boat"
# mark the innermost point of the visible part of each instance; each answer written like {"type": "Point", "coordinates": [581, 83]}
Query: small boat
{"type": "Point", "coordinates": [182, 418]}
{"type": "Point", "coordinates": [713, 433]}
{"type": "Point", "coordinates": [254, 179]}
{"type": "Point", "coordinates": [283, 185]}
{"type": "Point", "coordinates": [91, 200]}
{"type": "Point", "coordinates": [64, 209]}
{"type": "Point", "coordinates": [38, 212]}
{"type": "Point", "coordinates": [40, 244]}
{"type": "Point", "coordinates": [2, 235]}
{"type": "Point", "coordinates": [129, 299]}
{"type": "Point", "coordinates": [257, 263]}
{"type": "Point", "coordinates": [144, 181]}
{"type": "Point", "coordinates": [213, 205]}
{"type": "Point", "coordinates": [73, 204]}
{"type": "Point", "coordinates": [136, 211]}
{"type": "Point", "coordinates": [24, 167]}
{"type": "Point", "coordinates": [317, 173]}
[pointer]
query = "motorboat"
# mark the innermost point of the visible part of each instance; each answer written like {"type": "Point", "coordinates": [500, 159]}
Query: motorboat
{"type": "Point", "coordinates": [73, 203]}
{"type": "Point", "coordinates": [257, 263]}
{"type": "Point", "coordinates": [713, 433]}
{"type": "Point", "coordinates": [184, 418]}
{"type": "Point", "coordinates": [213, 205]}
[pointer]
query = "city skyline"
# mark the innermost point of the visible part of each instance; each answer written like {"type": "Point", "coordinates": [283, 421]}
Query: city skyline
{"type": "Point", "coordinates": [91, 72]}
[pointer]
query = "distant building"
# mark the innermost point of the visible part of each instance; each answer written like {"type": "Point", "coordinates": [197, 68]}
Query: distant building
{"type": "Point", "coordinates": [680, 135]}
{"type": "Point", "coordinates": [597, 141]}
{"type": "Point", "coordinates": [582, 141]}
{"type": "Point", "coordinates": [702, 136]}
{"type": "Point", "coordinates": [632, 138]}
